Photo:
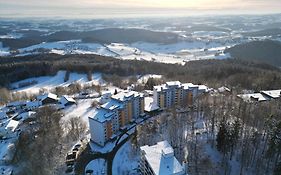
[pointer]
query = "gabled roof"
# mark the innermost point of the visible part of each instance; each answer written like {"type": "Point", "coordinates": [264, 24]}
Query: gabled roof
{"type": "Point", "coordinates": [161, 159]}
{"type": "Point", "coordinates": [255, 96]}
{"type": "Point", "coordinates": [48, 95]}
{"type": "Point", "coordinates": [65, 99]}
{"type": "Point", "coordinates": [272, 93]}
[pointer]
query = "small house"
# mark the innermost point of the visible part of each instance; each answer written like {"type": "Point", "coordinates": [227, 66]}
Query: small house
{"type": "Point", "coordinates": [67, 101]}
{"type": "Point", "coordinates": [12, 126]}
{"type": "Point", "coordinates": [48, 98]}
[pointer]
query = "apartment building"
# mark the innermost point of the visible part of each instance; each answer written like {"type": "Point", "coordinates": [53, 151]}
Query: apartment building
{"type": "Point", "coordinates": [122, 109]}
{"type": "Point", "coordinates": [159, 159]}
{"type": "Point", "coordinates": [175, 93]}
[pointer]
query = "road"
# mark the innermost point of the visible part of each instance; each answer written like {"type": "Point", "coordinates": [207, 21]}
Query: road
{"type": "Point", "coordinates": [88, 156]}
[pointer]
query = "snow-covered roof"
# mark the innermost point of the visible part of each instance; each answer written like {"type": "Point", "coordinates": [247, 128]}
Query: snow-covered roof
{"type": "Point", "coordinates": [189, 85]}
{"type": "Point", "coordinates": [149, 104]}
{"type": "Point", "coordinates": [65, 99]}
{"type": "Point", "coordinates": [272, 93]}
{"type": "Point", "coordinates": [126, 95]}
{"type": "Point", "coordinates": [173, 83]}
{"type": "Point", "coordinates": [112, 104]}
{"type": "Point", "coordinates": [48, 95]}
{"type": "Point", "coordinates": [257, 96]}
{"type": "Point", "coordinates": [101, 115]}
{"type": "Point", "coordinates": [223, 89]}
{"type": "Point", "coordinates": [161, 159]}
{"type": "Point", "coordinates": [203, 88]}
{"type": "Point", "coordinates": [12, 125]}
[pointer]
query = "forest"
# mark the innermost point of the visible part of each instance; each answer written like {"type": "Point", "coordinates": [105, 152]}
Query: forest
{"type": "Point", "coordinates": [220, 134]}
{"type": "Point", "coordinates": [236, 73]}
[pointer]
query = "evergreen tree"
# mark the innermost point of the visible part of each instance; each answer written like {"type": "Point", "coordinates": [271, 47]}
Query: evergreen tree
{"type": "Point", "coordinates": [274, 148]}
{"type": "Point", "coordinates": [223, 138]}
{"type": "Point", "coordinates": [277, 170]}
{"type": "Point", "coordinates": [234, 135]}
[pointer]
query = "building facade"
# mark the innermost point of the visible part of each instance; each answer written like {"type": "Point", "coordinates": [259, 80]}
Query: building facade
{"type": "Point", "coordinates": [107, 120]}
{"type": "Point", "coordinates": [176, 94]}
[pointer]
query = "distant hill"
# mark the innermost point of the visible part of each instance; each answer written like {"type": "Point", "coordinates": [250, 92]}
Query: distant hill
{"type": "Point", "coordinates": [265, 32]}
{"type": "Point", "coordinates": [102, 36]}
{"type": "Point", "coordinates": [129, 36]}
{"type": "Point", "coordinates": [267, 51]}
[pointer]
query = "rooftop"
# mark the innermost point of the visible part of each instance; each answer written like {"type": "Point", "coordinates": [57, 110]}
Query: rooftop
{"type": "Point", "coordinates": [257, 96]}
{"type": "Point", "coordinates": [173, 83]}
{"type": "Point", "coordinates": [272, 93]}
{"type": "Point", "coordinates": [48, 95]}
{"type": "Point", "coordinates": [101, 115]}
{"type": "Point", "coordinates": [161, 159]}
{"type": "Point", "coordinates": [112, 104]}
{"type": "Point", "coordinates": [126, 95]}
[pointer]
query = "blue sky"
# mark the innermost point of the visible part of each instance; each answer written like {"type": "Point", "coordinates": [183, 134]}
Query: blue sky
{"type": "Point", "coordinates": [120, 8]}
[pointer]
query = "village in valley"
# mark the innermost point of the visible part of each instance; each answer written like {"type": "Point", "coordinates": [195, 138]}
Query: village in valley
{"type": "Point", "coordinates": [169, 128]}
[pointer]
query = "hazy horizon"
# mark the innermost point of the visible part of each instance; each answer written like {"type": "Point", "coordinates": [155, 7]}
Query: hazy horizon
{"type": "Point", "coordinates": [134, 8]}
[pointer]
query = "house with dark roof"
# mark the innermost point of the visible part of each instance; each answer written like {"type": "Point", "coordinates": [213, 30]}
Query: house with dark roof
{"type": "Point", "coordinates": [48, 98]}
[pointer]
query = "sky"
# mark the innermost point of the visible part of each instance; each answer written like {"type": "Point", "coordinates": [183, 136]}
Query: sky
{"type": "Point", "coordinates": [127, 8]}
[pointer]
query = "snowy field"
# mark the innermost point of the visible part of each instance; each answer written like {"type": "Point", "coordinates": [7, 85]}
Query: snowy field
{"type": "Point", "coordinates": [176, 53]}
{"type": "Point", "coordinates": [50, 82]}
{"type": "Point", "coordinates": [83, 109]}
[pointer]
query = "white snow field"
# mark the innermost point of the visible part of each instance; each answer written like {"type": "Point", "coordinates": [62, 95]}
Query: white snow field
{"type": "Point", "coordinates": [50, 82]}
{"type": "Point", "coordinates": [175, 53]}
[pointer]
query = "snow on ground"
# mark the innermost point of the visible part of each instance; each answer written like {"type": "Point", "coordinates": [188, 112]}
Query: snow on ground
{"type": "Point", "coordinates": [122, 49]}
{"type": "Point", "coordinates": [125, 161]}
{"type": "Point", "coordinates": [65, 47]}
{"type": "Point", "coordinates": [7, 149]}
{"type": "Point", "coordinates": [98, 166]}
{"type": "Point", "coordinates": [11, 36]}
{"type": "Point", "coordinates": [4, 51]}
{"type": "Point", "coordinates": [143, 79]}
{"type": "Point", "coordinates": [50, 82]}
{"type": "Point", "coordinates": [83, 109]}
{"type": "Point", "coordinates": [176, 53]}
{"type": "Point", "coordinates": [6, 170]}
{"type": "Point", "coordinates": [105, 149]}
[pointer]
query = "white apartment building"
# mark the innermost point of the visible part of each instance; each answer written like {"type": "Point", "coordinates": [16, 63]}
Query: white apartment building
{"type": "Point", "coordinates": [175, 93]}
{"type": "Point", "coordinates": [122, 109]}
{"type": "Point", "coordinates": [159, 159]}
